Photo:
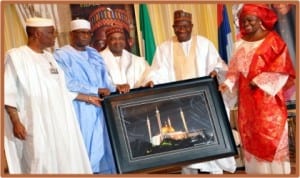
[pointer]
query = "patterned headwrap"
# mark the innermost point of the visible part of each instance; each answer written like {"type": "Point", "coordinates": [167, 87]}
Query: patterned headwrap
{"type": "Point", "coordinates": [180, 15]}
{"type": "Point", "coordinates": [263, 12]}
{"type": "Point", "coordinates": [114, 29]}
{"type": "Point", "coordinates": [104, 16]}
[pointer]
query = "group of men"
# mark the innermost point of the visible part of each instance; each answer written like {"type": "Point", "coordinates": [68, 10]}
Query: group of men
{"type": "Point", "coordinates": [54, 119]}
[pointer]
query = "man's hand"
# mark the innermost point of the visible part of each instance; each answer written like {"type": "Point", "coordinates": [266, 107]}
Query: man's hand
{"type": "Point", "coordinates": [149, 84]}
{"type": "Point", "coordinates": [102, 92]}
{"type": "Point", "coordinates": [213, 74]}
{"type": "Point", "coordinates": [223, 87]}
{"type": "Point", "coordinates": [19, 130]}
{"type": "Point", "coordinates": [123, 88]}
{"type": "Point", "coordinates": [95, 100]}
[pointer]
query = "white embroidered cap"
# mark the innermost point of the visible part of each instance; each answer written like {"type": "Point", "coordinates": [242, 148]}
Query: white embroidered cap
{"type": "Point", "coordinates": [80, 24]}
{"type": "Point", "coordinates": [39, 22]}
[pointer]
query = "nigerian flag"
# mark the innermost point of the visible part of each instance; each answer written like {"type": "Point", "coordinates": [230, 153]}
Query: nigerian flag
{"type": "Point", "coordinates": [147, 34]}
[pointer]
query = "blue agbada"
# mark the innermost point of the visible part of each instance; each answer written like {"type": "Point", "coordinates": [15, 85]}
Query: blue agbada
{"type": "Point", "coordinates": [85, 72]}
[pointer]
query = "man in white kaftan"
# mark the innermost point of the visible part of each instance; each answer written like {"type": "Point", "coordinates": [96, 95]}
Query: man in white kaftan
{"type": "Point", "coordinates": [123, 66]}
{"type": "Point", "coordinates": [185, 57]}
{"type": "Point", "coordinates": [41, 131]}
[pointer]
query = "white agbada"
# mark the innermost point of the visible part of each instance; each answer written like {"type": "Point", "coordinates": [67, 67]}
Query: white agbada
{"type": "Point", "coordinates": [54, 143]}
{"type": "Point", "coordinates": [207, 60]}
{"type": "Point", "coordinates": [127, 68]}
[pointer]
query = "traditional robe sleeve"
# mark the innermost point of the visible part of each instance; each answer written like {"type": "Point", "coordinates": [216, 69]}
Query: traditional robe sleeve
{"type": "Point", "coordinates": [271, 82]}
{"type": "Point", "coordinates": [110, 84]}
{"type": "Point", "coordinates": [10, 86]}
{"type": "Point", "coordinates": [232, 72]}
{"type": "Point", "coordinates": [143, 69]}
{"type": "Point", "coordinates": [73, 95]}
{"type": "Point", "coordinates": [161, 68]}
{"type": "Point", "coordinates": [73, 83]}
{"type": "Point", "coordinates": [230, 79]}
{"type": "Point", "coordinates": [229, 97]}
{"type": "Point", "coordinates": [215, 61]}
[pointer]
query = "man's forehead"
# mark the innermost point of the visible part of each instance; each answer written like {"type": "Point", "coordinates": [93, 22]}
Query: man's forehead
{"type": "Point", "coordinates": [182, 22]}
{"type": "Point", "coordinates": [51, 28]}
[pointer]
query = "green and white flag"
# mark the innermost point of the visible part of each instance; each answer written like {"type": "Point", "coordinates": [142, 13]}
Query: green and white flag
{"type": "Point", "coordinates": [147, 33]}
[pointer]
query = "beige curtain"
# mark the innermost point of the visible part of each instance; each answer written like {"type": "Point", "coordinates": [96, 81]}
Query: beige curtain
{"type": "Point", "coordinates": [204, 17]}
{"type": "Point", "coordinates": [14, 22]}
{"type": "Point", "coordinates": [204, 20]}
{"type": "Point", "coordinates": [14, 34]}
{"type": "Point", "coordinates": [57, 12]}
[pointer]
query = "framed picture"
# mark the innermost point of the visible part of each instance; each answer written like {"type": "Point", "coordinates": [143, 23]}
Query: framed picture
{"type": "Point", "coordinates": [169, 124]}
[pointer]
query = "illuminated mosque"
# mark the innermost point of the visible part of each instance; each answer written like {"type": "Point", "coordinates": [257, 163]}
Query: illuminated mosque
{"type": "Point", "coordinates": [167, 131]}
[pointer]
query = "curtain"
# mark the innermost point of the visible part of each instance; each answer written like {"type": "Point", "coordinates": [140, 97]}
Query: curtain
{"type": "Point", "coordinates": [204, 18]}
{"type": "Point", "coordinates": [16, 14]}
{"type": "Point", "coordinates": [13, 36]}
{"type": "Point", "coordinates": [38, 10]}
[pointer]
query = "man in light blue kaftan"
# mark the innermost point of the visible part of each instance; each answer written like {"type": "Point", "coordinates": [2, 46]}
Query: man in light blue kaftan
{"type": "Point", "coordinates": [86, 73]}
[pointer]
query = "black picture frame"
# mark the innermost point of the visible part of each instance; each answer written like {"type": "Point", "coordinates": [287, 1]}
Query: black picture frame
{"type": "Point", "coordinates": [172, 123]}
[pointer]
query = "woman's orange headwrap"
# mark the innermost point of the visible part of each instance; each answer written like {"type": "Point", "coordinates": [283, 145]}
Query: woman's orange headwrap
{"type": "Point", "coordinates": [263, 12]}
